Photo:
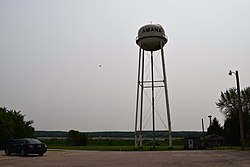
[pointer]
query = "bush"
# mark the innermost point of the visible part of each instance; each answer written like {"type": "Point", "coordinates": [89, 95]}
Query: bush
{"type": "Point", "coordinates": [76, 138]}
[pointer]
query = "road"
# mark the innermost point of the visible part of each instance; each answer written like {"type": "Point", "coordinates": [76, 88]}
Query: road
{"type": "Point", "coordinates": [63, 158]}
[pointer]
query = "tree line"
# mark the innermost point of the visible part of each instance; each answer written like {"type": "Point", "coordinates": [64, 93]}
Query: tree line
{"type": "Point", "coordinates": [228, 105]}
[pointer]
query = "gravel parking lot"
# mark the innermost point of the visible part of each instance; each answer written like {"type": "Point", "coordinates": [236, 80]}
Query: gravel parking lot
{"type": "Point", "coordinates": [61, 158]}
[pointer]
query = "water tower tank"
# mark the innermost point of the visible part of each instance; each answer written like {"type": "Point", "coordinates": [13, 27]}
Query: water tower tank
{"type": "Point", "coordinates": [151, 36]}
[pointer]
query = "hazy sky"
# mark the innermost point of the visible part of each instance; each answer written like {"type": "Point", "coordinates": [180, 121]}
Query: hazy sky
{"type": "Point", "coordinates": [50, 52]}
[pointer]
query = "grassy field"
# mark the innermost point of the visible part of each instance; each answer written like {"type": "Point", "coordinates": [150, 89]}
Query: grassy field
{"type": "Point", "coordinates": [115, 148]}
{"type": "Point", "coordinates": [124, 145]}
{"type": "Point", "coordinates": [111, 145]}
{"type": "Point", "coordinates": [132, 148]}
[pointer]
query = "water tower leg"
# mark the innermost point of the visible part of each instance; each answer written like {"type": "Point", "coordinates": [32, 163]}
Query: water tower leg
{"type": "Point", "coordinates": [137, 100]}
{"type": "Point", "coordinates": [167, 99]}
{"type": "Point", "coordinates": [153, 100]}
{"type": "Point", "coordinates": [142, 87]}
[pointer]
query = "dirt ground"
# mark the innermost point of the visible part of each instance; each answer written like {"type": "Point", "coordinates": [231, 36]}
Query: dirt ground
{"type": "Point", "coordinates": [61, 158]}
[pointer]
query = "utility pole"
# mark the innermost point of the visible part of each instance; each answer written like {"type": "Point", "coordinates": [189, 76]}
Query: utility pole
{"type": "Point", "coordinates": [210, 116]}
{"type": "Point", "coordinates": [202, 124]}
{"type": "Point", "coordinates": [242, 139]}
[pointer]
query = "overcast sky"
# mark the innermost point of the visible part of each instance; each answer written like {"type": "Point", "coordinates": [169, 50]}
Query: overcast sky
{"type": "Point", "coordinates": [51, 52]}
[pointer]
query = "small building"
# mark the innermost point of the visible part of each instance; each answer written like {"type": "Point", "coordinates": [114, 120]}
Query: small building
{"type": "Point", "coordinates": [214, 140]}
{"type": "Point", "coordinates": [192, 143]}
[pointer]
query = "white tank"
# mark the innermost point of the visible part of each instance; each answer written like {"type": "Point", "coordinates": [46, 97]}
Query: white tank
{"type": "Point", "coordinates": [151, 37]}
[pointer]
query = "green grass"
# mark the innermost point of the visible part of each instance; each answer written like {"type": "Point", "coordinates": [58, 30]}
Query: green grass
{"type": "Point", "coordinates": [110, 145]}
{"type": "Point", "coordinates": [98, 148]}
{"type": "Point", "coordinates": [132, 148]}
{"type": "Point", "coordinates": [114, 148]}
{"type": "Point", "coordinates": [124, 145]}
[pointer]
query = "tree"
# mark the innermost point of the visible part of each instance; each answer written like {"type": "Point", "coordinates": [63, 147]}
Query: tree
{"type": "Point", "coordinates": [228, 105]}
{"type": "Point", "coordinates": [13, 125]}
{"type": "Point", "coordinates": [6, 125]}
{"type": "Point", "coordinates": [76, 138]}
{"type": "Point", "coordinates": [215, 128]}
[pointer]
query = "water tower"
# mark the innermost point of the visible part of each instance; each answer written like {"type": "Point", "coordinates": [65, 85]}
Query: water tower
{"type": "Point", "coordinates": [151, 39]}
